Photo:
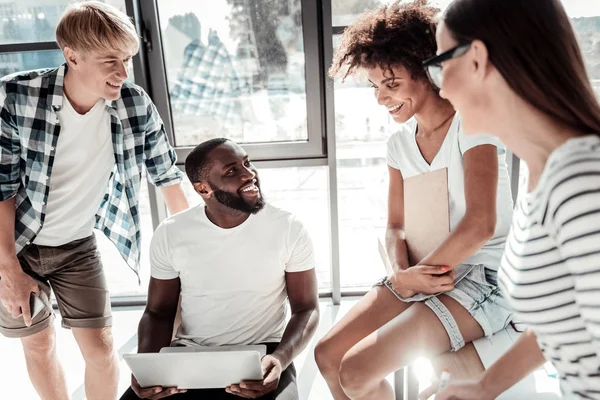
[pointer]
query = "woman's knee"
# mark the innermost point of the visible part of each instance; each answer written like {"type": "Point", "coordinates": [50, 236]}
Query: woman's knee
{"type": "Point", "coordinates": [328, 357]}
{"type": "Point", "coordinates": [354, 379]}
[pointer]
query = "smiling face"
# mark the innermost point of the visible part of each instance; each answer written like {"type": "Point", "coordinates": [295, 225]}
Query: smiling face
{"type": "Point", "coordinates": [402, 95]}
{"type": "Point", "coordinates": [233, 180]}
{"type": "Point", "coordinates": [100, 73]}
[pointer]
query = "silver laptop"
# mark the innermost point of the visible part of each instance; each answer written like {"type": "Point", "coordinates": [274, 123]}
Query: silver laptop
{"type": "Point", "coordinates": [261, 348]}
{"type": "Point", "coordinates": [196, 367]}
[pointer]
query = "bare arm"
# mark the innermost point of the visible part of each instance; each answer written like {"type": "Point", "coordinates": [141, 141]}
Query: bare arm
{"type": "Point", "coordinates": [303, 295]}
{"type": "Point", "coordinates": [395, 242]}
{"type": "Point", "coordinates": [156, 326]}
{"type": "Point", "coordinates": [15, 285]}
{"type": "Point", "coordinates": [479, 222]}
{"type": "Point", "coordinates": [520, 360]}
{"type": "Point", "coordinates": [8, 254]}
{"type": "Point", "coordinates": [155, 329]}
{"type": "Point", "coordinates": [175, 198]}
{"type": "Point", "coordinates": [523, 358]}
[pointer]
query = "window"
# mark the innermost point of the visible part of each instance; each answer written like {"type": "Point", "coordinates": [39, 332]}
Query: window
{"type": "Point", "coordinates": [31, 22]}
{"type": "Point", "coordinates": [303, 192]}
{"type": "Point", "coordinates": [235, 66]}
{"type": "Point", "coordinates": [345, 12]}
{"type": "Point", "coordinates": [238, 68]}
{"type": "Point", "coordinates": [24, 61]}
{"type": "Point", "coordinates": [362, 128]}
{"type": "Point", "coordinates": [585, 17]}
{"type": "Point", "coordinates": [23, 22]}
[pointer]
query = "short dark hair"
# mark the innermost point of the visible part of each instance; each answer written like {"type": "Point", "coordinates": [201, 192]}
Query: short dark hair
{"type": "Point", "coordinates": [198, 163]}
{"type": "Point", "coordinates": [399, 34]}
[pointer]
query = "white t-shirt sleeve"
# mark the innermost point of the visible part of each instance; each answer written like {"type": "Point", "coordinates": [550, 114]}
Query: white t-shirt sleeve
{"type": "Point", "coordinates": [302, 256]}
{"type": "Point", "coordinates": [161, 265]}
{"type": "Point", "coordinates": [392, 152]}
{"type": "Point", "coordinates": [467, 142]}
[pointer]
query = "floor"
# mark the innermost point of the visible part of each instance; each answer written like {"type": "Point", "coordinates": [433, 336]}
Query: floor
{"type": "Point", "coordinates": [15, 382]}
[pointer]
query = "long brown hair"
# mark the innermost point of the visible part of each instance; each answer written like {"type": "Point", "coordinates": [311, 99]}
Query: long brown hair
{"type": "Point", "coordinates": [533, 46]}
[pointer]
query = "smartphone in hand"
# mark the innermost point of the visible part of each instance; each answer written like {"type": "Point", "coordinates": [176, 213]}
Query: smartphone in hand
{"type": "Point", "coordinates": [36, 305]}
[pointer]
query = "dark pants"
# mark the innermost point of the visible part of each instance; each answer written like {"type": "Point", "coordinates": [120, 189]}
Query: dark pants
{"type": "Point", "coordinates": [287, 389]}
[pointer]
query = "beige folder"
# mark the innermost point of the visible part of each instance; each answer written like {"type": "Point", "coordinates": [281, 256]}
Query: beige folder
{"type": "Point", "coordinates": [426, 214]}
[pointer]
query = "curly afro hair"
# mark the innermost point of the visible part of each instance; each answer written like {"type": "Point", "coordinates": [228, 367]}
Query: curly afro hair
{"type": "Point", "coordinates": [399, 34]}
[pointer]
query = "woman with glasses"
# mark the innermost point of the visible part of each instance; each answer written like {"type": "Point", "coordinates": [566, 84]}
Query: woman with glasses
{"type": "Point", "coordinates": [516, 71]}
{"type": "Point", "coordinates": [423, 309]}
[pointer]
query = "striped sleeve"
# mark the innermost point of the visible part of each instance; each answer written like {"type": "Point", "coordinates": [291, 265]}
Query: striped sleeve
{"type": "Point", "coordinates": [573, 217]}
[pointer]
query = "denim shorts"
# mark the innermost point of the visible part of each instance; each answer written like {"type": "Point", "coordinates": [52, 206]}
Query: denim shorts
{"type": "Point", "coordinates": [476, 289]}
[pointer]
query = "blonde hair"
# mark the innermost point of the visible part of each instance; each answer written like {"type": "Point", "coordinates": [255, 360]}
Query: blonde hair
{"type": "Point", "coordinates": [92, 25]}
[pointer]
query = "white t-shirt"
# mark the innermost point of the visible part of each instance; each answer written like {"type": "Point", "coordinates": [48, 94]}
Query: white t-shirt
{"type": "Point", "coordinates": [404, 155]}
{"type": "Point", "coordinates": [83, 162]}
{"type": "Point", "coordinates": [232, 280]}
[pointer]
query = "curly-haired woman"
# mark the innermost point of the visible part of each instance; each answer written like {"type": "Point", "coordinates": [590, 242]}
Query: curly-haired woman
{"type": "Point", "coordinates": [451, 296]}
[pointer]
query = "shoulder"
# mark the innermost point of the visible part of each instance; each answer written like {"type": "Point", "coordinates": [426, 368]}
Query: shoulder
{"type": "Point", "coordinates": [273, 214]}
{"type": "Point", "coordinates": [130, 92]}
{"type": "Point", "coordinates": [572, 179]}
{"type": "Point", "coordinates": [29, 77]}
{"type": "Point", "coordinates": [402, 134]}
{"type": "Point", "coordinates": [469, 141]}
{"type": "Point", "coordinates": [27, 83]}
{"type": "Point", "coordinates": [281, 220]}
{"type": "Point", "coordinates": [574, 167]}
{"type": "Point", "coordinates": [185, 218]}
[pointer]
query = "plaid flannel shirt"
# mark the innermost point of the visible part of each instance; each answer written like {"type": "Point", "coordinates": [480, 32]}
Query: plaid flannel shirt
{"type": "Point", "coordinates": [29, 130]}
{"type": "Point", "coordinates": [207, 83]}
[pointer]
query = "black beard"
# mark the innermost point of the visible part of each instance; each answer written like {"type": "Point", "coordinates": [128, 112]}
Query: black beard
{"type": "Point", "coordinates": [237, 202]}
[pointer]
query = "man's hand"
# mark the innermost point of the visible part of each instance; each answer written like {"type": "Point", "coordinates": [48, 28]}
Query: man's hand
{"type": "Point", "coordinates": [15, 291]}
{"type": "Point", "coordinates": [426, 279]}
{"type": "Point", "coordinates": [271, 369]}
{"type": "Point", "coordinates": [457, 390]}
{"type": "Point", "coordinates": [153, 393]}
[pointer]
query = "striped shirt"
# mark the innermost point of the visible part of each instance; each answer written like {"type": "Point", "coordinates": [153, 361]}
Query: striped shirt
{"type": "Point", "coordinates": [550, 272]}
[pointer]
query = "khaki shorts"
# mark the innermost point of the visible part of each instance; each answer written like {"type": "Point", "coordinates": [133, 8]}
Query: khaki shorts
{"type": "Point", "coordinates": [74, 273]}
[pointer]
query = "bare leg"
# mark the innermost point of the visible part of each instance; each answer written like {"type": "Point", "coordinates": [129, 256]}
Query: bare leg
{"type": "Point", "coordinates": [44, 369]}
{"type": "Point", "coordinates": [101, 364]}
{"type": "Point", "coordinates": [416, 332]}
{"type": "Point", "coordinates": [374, 310]}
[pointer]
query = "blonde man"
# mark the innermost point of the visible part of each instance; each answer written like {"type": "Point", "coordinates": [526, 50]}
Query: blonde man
{"type": "Point", "coordinates": [72, 148]}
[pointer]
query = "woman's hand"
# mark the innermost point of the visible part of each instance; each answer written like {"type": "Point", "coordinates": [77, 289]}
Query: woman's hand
{"type": "Point", "coordinates": [426, 279]}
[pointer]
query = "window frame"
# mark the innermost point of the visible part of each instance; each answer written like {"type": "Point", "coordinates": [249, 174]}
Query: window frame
{"type": "Point", "coordinates": [313, 148]}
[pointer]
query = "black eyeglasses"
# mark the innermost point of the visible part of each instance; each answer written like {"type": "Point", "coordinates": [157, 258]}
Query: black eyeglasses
{"type": "Point", "coordinates": [433, 65]}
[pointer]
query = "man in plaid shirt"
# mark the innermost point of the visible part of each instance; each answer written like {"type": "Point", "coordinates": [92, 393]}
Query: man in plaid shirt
{"type": "Point", "coordinates": [73, 142]}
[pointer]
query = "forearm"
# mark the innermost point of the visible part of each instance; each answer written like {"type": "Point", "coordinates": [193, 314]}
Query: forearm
{"type": "Point", "coordinates": [8, 255]}
{"type": "Point", "coordinates": [465, 240]}
{"type": "Point", "coordinates": [154, 333]}
{"type": "Point", "coordinates": [523, 358]}
{"type": "Point", "coordinates": [174, 198]}
{"type": "Point", "coordinates": [298, 333]}
{"type": "Point", "coordinates": [395, 245]}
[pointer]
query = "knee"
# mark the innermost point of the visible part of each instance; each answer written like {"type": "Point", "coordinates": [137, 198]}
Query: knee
{"type": "Point", "coordinates": [353, 379]}
{"type": "Point", "coordinates": [327, 358]}
{"type": "Point", "coordinates": [98, 350]}
{"type": "Point", "coordinates": [40, 346]}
